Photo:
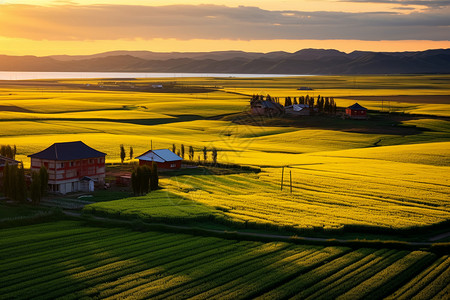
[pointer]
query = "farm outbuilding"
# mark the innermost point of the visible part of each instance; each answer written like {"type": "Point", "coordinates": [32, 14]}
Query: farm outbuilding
{"type": "Point", "coordinates": [266, 108]}
{"type": "Point", "coordinates": [356, 111]}
{"type": "Point", "coordinates": [298, 110]}
{"type": "Point", "coordinates": [71, 166]}
{"type": "Point", "coordinates": [164, 159]}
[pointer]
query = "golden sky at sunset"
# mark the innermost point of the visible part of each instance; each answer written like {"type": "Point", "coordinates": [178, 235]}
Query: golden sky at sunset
{"type": "Point", "coordinates": [33, 27]}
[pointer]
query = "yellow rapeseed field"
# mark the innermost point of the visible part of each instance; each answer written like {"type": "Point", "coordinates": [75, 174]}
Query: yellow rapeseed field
{"type": "Point", "coordinates": [340, 177]}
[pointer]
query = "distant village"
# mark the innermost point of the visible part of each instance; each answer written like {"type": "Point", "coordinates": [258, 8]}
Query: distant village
{"type": "Point", "coordinates": [302, 106]}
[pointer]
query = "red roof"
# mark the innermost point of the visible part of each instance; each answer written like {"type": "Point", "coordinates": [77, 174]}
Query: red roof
{"type": "Point", "coordinates": [356, 106]}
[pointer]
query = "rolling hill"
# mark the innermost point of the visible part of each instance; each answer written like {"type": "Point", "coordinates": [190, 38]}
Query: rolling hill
{"type": "Point", "coordinates": [306, 61]}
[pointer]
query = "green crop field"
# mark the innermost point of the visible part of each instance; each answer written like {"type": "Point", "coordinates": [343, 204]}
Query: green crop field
{"type": "Point", "coordinates": [70, 260]}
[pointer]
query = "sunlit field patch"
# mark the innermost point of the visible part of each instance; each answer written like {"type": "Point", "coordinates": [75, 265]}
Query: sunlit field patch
{"type": "Point", "coordinates": [72, 260]}
{"type": "Point", "coordinates": [389, 177]}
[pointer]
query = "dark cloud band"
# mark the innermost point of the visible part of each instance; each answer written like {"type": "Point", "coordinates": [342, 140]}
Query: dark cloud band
{"type": "Point", "coordinates": [184, 22]}
{"type": "Point", "coordinates": [426, 3]}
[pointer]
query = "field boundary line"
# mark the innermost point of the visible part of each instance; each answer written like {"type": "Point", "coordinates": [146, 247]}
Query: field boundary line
{"type": "Point", "coordinates": [264, 237]}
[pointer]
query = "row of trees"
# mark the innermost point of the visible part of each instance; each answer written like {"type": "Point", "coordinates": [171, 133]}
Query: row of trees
{"type": "Point", "coordinates": [327, 106]}
{"type": "Point", "coordinates": [15, 187]}
{"type": "Point", "coordinates": [180, 152]}
{"type": "Point", "coordinates": [323, 105]}
{"type": "Point", "coordinates": [39, 185]}
{"type": "Point", "coordinates": [191, 152]}
{"type": "Point", "coordinates": [123, 154]}
{"type": "Point", "coordinates": [256, 98]}
{"type": "Point", "coordinates": [8, 151]}
{"type": "Point", "coordinates": [145, 179]}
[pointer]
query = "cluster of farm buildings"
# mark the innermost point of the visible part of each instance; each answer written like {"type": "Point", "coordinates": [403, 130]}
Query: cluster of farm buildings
{"type": "Point", "coordinates": [74, 166]}
{"type": "Point", "coordinates": [272, 108]}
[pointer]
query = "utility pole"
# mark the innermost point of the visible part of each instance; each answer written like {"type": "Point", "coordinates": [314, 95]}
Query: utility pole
{"type": "Point", "coordinates": [282, 174]}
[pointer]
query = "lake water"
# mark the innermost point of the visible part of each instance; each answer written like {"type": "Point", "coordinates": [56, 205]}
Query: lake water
{"type": "Point", "coordinates": [85, 75]}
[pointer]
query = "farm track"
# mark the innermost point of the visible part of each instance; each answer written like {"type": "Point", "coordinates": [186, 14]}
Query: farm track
{"type": "Point", "coordinates": [252, 235]}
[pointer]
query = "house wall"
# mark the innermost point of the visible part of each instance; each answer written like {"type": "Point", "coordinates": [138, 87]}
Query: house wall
{"type": "Point", "coordinates": [168, 165]}
{"type": "Point", "coordinates": [64, 176]}
{"type": "Point", "coordinates": [356, 114]}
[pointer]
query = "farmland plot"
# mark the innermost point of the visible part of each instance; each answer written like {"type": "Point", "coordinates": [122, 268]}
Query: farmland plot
{"type": "Point", "coordinates": [327, 192]}
{"type": "Point", "coordinates": [71, 260]}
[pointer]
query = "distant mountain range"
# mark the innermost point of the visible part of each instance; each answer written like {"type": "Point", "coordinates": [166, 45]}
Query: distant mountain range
{"type": "Point", "coordinates": [306, 61]}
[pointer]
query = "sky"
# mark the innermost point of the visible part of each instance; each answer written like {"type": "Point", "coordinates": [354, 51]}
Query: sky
{"type": "Point", "coordinates": [78, 27]}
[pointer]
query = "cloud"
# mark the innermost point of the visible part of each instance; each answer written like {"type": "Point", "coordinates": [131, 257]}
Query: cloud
{"type": "Point", "coordinates": [426, 3]}
{"type": "Point", "coordinates": [185, 22]}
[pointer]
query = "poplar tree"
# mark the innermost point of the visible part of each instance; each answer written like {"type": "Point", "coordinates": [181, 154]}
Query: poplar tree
{"type": "Point", "coordinates": [287, 101]}
{"type": "Point", "coordinates": [214, 155]}
{"type": "Point", "coordinates": [143, 174]}
{"type": "Point", "coordinates": [43, 178]}
{"type": "Point", "coordinates": [8, 151]}
{"type": "Point", "coordinates": [182, 151]}
{"type": "Point", "coordinates": [122, 153]}
{"type": "Point", "coordinates": [154, 179]}
{"type": "Point", "coordinates": [131, 152]}
{"type": "Point", "coordinates": [327, 105]}
{"type": "Point", "coordinates": [10, 181]}
{"type": "Point", "coordinates": [191, 153]}
{"type": "Point", "coordinates": [205, 154]}
{"type": "Point", "coordinates": [36, 191]}
{"type": "Point", "coordinates": [21, 191]}
{"type": "Point", "coordinates": [144, 179]}
{"type": "Point", "coordinates": [6, 180]}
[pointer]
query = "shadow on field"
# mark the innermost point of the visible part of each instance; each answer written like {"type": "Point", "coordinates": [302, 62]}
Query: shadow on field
{"type": "Point", "coordinates": [156, 121]}
{"type": "Point", "coordinates": [378, 123]}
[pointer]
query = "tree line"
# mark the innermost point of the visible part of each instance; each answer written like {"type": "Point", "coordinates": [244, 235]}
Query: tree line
{"type": "Point", "coordinates": [181, 152]}
{"type": "Point", "coordinates": [205, 152]}
{"type": "Point", "coordinates": [8, 151]}
{"type": "Point", "coordinates": [15, 187]}
{"type": "Point", "coordinates": [144, 179]}
{"type": "Point", "coordinates": [322, 104]}
{"type": "Point", "coordinates": [123, 154]}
